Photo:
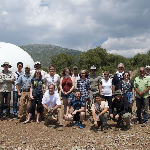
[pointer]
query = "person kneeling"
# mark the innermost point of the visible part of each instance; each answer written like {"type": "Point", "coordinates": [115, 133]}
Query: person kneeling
{"type": "Point", "coordinates": [123, 111]}
{"type": "Point", "coordinates": [99, 112]}
{"type": "Point", "coordinates": [78, 114]}
{"type": "Point", "coordinates": [52, 105]}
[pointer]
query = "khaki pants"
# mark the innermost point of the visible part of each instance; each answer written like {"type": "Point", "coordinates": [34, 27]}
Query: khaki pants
{"type": "Point", "coordinates": [24, 105]}
{"type": "Point", "coordinates": [49, 119]}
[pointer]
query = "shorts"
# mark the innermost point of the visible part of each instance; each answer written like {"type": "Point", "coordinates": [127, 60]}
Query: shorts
{"type": "Point", "coordinates": [129, 96]}
{"type": "Point", "coordinates": [69, 96]}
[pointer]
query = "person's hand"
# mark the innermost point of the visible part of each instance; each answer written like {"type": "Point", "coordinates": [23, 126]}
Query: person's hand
{"type": "Point", "coordinates": [31, 97]}
{"type": "Point", "coordinates": [116, 117]}
{"type": "Point", "coordinates": [133, 99]}
{"type": "Point", "coordinates": [95, 123]}
{"type": "Point", "coordinates": [111, 116]}
{"type": "Point", "coordinates": [19, 93]}
{"type": "Point", "coordinates": [66, 116]}
{"type": "Point", "coordinates": [141, 94]}
{"type": "Point", "coordinates": [74, 112]}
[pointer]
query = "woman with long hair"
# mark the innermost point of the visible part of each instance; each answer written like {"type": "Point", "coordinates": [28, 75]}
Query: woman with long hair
{"type": "Point", "coordinates": [67, 84]}
{"type": "Point", "coordinates": [36, 95]}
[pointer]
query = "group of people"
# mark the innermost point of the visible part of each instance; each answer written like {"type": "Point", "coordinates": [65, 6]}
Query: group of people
{"type": "Point", "coordinates": [102, 97]}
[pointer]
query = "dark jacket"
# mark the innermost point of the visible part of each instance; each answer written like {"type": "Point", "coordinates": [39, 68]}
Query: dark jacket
{"type": "Point", "coordinates": [121, 106]}
{"type": "Point", "coordinates": [116, 81]}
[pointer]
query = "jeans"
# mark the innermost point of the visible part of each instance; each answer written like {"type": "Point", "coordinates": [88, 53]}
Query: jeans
{"type": "Point", "coordinates": [139, 103]}
{"type": "Point", "coordinates": [129, 96]}
{"type": "Point", "coordinates": [7, 96]}
{"type": "Point", "coordinates": [15, 100]}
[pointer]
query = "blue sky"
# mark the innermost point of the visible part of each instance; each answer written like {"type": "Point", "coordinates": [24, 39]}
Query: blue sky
{"type": "Point", "coordinates": [120, 26]}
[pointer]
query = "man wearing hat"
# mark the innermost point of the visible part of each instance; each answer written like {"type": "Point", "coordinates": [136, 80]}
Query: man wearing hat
{"type": "Point", "coordinates": [75, 75]}
{"type": "Point", "coordinates": [37, 66]}
{"type": "Point", "coordinates": [25, 101]}
{"type": "Point", "coordinates": [123, 111]}
{"type": "Point", "coordinates": [6, 81]}
{"type": "Point", "coordinates": [94, 85]}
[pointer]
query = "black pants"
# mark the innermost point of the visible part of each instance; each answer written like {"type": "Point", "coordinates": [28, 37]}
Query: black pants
{"type": "Point", "coordinates": [7, 96]}
{"type": "Point", "coordinates": [37, 100]}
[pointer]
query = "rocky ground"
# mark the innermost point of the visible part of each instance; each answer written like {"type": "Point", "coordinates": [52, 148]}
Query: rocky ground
{"type": "Point", "coordinates": [32, 136]}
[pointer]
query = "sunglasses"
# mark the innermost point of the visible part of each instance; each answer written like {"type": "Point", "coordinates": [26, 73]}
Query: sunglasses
{"type": "Point", "coordinates": [120, 67]}
{"type": "Point", "coordinates": [38, 73]}
{"type": "Point", "coordinates": [6, 65]}
{"type": "Point", "coordinates": [126, 75]}
{"type": "Point", "coordinates": [142, 70]}
{"type": "Point", "coordinates": [93, 70]}
{"type": "Point", "coordinates": [106, 74]}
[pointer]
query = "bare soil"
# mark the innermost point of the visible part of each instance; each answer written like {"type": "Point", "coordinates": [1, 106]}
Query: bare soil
{"type": "Point", "coordinates": [33, 136]}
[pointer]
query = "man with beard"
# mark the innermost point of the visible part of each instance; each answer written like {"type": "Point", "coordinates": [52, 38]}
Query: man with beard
{"type": "Point", "coordinates": [123, 111]}
{"type": "Point", "coordinates": [25, 101]}
{"type": "Point", "coordinates": [37, 66]}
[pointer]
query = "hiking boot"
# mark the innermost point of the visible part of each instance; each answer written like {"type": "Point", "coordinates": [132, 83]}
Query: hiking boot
{"type": "Point", "coordinates": [144, 124]}
{"type": "Point", "coordinates": [127, 128]}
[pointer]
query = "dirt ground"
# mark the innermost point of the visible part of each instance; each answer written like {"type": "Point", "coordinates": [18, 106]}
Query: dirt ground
{"type": "Point", "coordinates": [33, 136]}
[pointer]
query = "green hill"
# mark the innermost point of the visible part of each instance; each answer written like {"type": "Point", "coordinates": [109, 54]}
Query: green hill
{"type": "Point", "coordinates": [42, 52]}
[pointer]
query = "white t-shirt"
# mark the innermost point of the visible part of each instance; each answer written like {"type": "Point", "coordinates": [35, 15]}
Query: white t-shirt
{"type": "Point", "coordinates": [51, 100]}
{"type": "Point", "coordinates": [76, 78]}
{"type": "Point", "coordinates": [107, 87]}
{"type": "Point", "coordinates": [101, 107]}
{"type": "Point", "coordinates": [52, 80]}
{"type": "Point", "coordinates": [16, 76]}
{"type": "Point", "coordinates": [43, 73]}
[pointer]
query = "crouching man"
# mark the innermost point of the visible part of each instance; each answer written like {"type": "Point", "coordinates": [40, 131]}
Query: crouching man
{"type": "Point", "coordinates": [99, 112]}
{"type": "Point", "coordinates": [78, 114]}
{"type": "Point", "coordinates": [52, 105]}
{"type": "Point", "coordinates": [123, 111]}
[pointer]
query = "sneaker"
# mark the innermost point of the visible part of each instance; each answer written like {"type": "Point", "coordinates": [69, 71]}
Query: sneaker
{"type": "Point", "coordinates": [131, 123]}
{"type": "Point", "coordinates": [15, 117]}
{"type": "Point", "coordinates": [80, 126]}
{"type": "Point", "coordinates": [77, 123]}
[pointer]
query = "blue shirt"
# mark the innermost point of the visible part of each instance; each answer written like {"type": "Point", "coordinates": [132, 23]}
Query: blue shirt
{"type": "Point", "coordinates": [77, 104]}
{"type": "Point", "coordinates": [24, 81]}
{"type": "Point", "coordinates": [83, 86]}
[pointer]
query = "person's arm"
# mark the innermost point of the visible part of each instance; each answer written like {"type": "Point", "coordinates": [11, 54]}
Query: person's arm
{"type": "Point", "coordinates": [113, 89]}
{"type": "Point", "coordinates": [140, 93]}
{"type": "Point", "coordinates": [57, 106]}
{"type": "Point", "coordinates": [44, 105]}
{"type": "Point", "coordinates": [31, 96]}
{"type": "Point", "coordinates": [133, 92]}
{"type": "Point", "coordinates": [79, 110]}
{"type": "Point", "coordinates": [17, 87]}
{"type": "Point", "coordinates": [100, 88]}
{"type": "Point", "coordinates": [60, 85]}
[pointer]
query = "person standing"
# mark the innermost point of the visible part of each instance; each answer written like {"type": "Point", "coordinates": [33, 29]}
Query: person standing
{"type": "Point", "coordinates": [67, 84]}
{"type": "Point", "coordinates": [118, 77]}
{"type": "Point", "coordinates": [36, 95]}
{"type": "Point", "coordinates": [106, 88]}
{"type": "Point", "coordinates": [83, 84]}
{"type": "Point", "coordinates": [6, 81]}
{"type": "Point", "coordinates": [15, 93]}
{"type": "Point", "coordinates": [142, 87]}
{"type": "Point", "coordinates": [52, 78]}
{"type": "Point", "coordinates": [94, 86]}
{"type": "Point", "coordinates": [75, 75]}
{"type": "Point", "coordinates": [25, 101]}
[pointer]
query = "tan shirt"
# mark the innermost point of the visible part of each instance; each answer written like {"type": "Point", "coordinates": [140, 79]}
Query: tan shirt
{"type": "Point", "coordinates": [99, 108]}
{"type": "Point", "coordinates": [6, 81]}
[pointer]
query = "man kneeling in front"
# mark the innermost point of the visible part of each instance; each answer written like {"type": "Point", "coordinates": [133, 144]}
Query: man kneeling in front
{"type": "Point", "coordinates": [99, 112]}
{"type": "Point", "coordinates": [78, 114]}
{"type": "Point", "coordinates": [123, 111]}
{"type": "Point", "coordinates": [52, 105]}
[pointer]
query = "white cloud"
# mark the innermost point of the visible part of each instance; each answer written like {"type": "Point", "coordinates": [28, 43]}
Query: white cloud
{"type": "Point", "coordinates": [77, 24]}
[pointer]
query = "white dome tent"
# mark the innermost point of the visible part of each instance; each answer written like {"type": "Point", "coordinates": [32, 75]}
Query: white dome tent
{"type": "Point", "coordinates": [14, 54]}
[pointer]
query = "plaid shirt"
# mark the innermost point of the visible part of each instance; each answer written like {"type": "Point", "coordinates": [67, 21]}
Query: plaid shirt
{"type": "Point", "coordinates": [83, 86]}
